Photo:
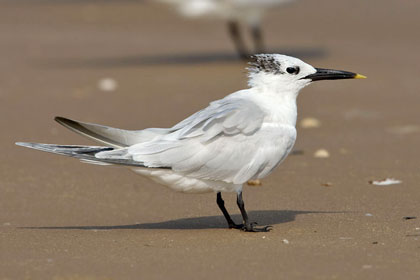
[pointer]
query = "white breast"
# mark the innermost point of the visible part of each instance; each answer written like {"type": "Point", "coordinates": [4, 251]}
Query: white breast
{"type": "Point", "coordinates": [282, 140]}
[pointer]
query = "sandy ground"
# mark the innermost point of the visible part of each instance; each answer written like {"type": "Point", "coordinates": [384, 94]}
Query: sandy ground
{"type": "Point", "coordinates": [63, 220]}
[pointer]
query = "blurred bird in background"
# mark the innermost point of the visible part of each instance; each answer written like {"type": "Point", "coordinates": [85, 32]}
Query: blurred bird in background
{"type": "Point", "coordinates": [235, 12]}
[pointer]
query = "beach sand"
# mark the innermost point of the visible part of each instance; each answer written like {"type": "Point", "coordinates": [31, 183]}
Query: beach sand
{"type": "Point", "coordinates": [64, 220]}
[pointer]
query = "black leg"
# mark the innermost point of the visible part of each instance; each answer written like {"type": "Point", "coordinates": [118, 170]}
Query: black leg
{"type": "Point", "coordinates": [258, 40]}
{"type": "Point", "coordinates": [221, 204]}
{"type": "Point", "coordinates": [235, 34]}
{"type": "Point", "coordinates": [247, 225]}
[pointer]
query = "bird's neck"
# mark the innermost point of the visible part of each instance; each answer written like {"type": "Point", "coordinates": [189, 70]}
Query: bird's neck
{"type": "Point", "coordinates": [277, 96]}
{"type": "Point", "coordinates": [280, 106]}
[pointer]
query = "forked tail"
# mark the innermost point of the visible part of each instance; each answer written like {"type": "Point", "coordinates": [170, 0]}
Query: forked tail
{"type": "Point", "coordinates": [84, 153]}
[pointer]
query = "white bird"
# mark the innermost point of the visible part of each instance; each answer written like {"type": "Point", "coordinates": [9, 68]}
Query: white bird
{"type": "Point", "coordinates": [235, 12]}
{"type": "Point", "coordinates": [241, 137]}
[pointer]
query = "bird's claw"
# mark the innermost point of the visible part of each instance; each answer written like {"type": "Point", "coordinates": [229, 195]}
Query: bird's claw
{"type": "Point", "coordinates": [251, 228]}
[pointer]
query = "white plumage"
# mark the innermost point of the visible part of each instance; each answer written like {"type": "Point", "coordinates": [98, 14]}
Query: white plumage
{"type": "Point", "coordinates": [240, 137]}
{"type": "Point", "coordinates": [233, 140]}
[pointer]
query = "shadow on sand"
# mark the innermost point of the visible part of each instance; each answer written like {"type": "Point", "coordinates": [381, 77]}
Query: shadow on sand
{"type": "Point", "coordinates": [168, 59]}
{"type": "Point", "coordinates": [266, 217]}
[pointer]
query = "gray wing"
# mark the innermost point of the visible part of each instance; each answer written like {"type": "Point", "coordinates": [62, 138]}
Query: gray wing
{"type": "Point", "coordinates": [215, 143]}
{"type": "Point", "coordinates": [228, 116]}
{"type": "Point", "coordinates": [113, 137]}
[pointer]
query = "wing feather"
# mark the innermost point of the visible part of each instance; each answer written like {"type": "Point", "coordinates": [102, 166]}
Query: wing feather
{"type": "Point", "coordinates": [110, 136]}
{"type": "Point", "coordinates": [212, 144]}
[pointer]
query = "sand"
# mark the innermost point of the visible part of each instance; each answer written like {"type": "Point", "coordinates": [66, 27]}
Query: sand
{"type": "Point", "coordinates": [64, 220]}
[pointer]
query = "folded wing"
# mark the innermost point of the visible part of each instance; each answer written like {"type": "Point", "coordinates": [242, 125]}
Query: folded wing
{"type": "Point", "coordinates": [215, 144]}
{"type": "Point", "coordinates": [113, 137]}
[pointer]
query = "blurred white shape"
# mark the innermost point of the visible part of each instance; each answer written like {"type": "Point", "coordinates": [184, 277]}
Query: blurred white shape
{"type": "Point", "coordinates": [285, 241]}
{"type": "Point", "coordinates": [249, 11]}
{"type": "Point", "coordinates": [310, 123]}
{"type": "Point", "coordinates": [368, 215]}
{"type": "Point", "coordinates": [107, 84]}
{"type": "Point", "coordinates": [404, 129]}
{"type": "Point", "coordinates": [322, 153]}
{"type": "Point", "coordinates": [385, 182]}
{"type": "Point", "coordinates": [234, 12]}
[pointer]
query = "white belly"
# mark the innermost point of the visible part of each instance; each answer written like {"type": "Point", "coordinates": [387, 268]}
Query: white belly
{"type": "Point", "coordinates": [266, 149]}
{"type": "Point", "coordinates": [186, 184]}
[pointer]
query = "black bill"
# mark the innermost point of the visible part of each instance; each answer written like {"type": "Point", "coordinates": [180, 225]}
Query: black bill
{"type": "Point", "coordinates": [329, 74]}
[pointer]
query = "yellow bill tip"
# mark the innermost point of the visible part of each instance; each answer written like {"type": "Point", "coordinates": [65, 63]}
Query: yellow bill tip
{"type": "Point", "coordinates": [358, 76]}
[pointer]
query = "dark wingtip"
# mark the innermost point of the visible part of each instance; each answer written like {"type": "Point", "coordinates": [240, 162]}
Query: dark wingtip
{"type": "Point", "coordinates": [66, 122]}
{"type": "Point", "coordinates": [60, 119]}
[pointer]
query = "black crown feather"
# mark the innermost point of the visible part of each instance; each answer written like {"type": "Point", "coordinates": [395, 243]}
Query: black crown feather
{"type": "Point", "coordinates": [264, 63]}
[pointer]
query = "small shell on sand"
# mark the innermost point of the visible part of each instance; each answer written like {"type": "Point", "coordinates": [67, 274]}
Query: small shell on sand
{"type": "Point", "coordinates": [310, 123]}
{"type": "Point", "coordinates": [107, 84]}
{"type": "Point", "coordinates": [255, 183]}
{"type": "Point", "coordinates": [385, 182]}
{"type": "Point", "coordinates": [322, 153]}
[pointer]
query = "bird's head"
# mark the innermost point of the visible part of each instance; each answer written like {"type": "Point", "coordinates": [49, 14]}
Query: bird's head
{"type": "Point", "coordinates": [289, 74]}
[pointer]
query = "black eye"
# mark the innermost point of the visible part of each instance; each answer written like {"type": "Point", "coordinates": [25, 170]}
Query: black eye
{"type": "Point", "coordinates": [293, 70]}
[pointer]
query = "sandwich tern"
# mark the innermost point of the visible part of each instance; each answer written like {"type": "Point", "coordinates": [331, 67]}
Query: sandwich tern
{"type": "Point", "coordinates": [241, 137]}
{"type": "Point", "coordinates": [235, 12]}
